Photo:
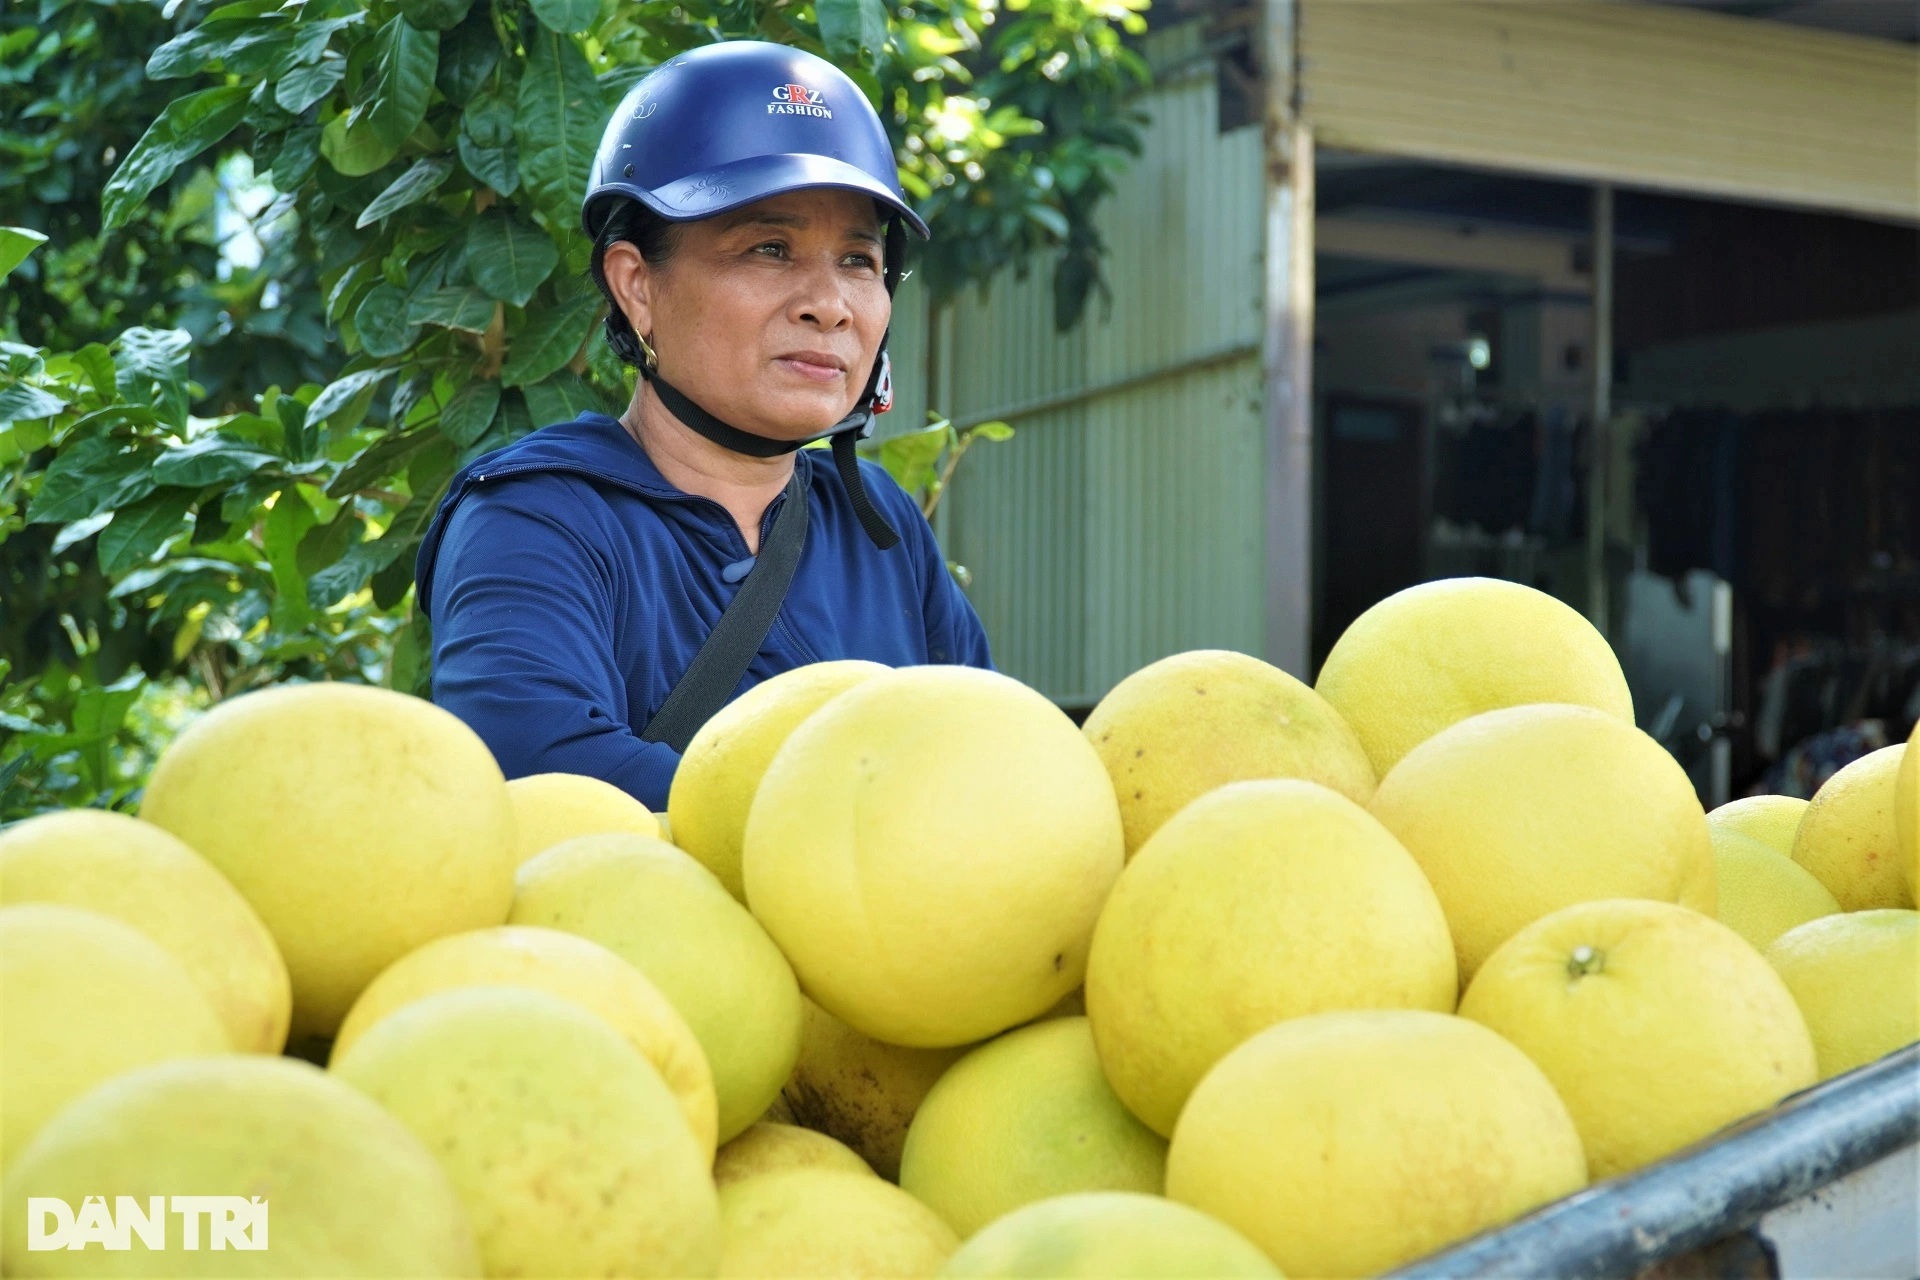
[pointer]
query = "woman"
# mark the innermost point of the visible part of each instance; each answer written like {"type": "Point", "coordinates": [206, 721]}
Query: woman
{"type": "Point", "coordinates": [747, 223]}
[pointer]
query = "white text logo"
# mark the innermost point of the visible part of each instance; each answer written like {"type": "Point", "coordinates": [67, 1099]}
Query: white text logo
{"type": "Point", "coordinates": [232, 1222]}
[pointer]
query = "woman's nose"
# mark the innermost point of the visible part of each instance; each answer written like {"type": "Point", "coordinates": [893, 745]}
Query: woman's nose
{"type": "Point", "coordinates": [824, 299]}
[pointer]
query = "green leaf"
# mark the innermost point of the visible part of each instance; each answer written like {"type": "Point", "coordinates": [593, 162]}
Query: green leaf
{"type": "Point", "coordinates": [412, 651]}
{"type": "Point", "coordinates": [145, 580]}
{"type": "Point", "coordinates": [22, 402]}
{"type": "Point", "coordinates": [470, 412]}
{"type": "Point", "coordinates": [299, 153]}
{"type": "Point", "coordinates": [90, 476]}
{"type": "Point", "coordinates": [96, 366]}
{"type": "Point", "coordinates": [551, 335]}
{"type": "Point", "coordinates": [418, 182]}
{"type": "Point", "coordinates": [498, 167]}
{"type": "Point", "coordinates": [568, 17]}
{"type": "Point", "coordinates": [381, 321]}
{"type": "Point", "coordinates": [326, 543]}
{"type": "Point", "coordinates": [853, 28]}
{"type": "Point", "coordinates": [455, 307]}
{"type": "Point", "coordinates": [509, 259]}
{"type": "Point", "coordinates": [72, 535]}
{"type": "Point", "coordinates": [486, 142]}
{"type": "Point", "coordinates": [350, 572]}
{"type": "Point", "coordinates": [187, 127]}
{"type": "Point", "coordinates": [488, 120]}
{"type": "Point", "coordinates": [557, 124]}
{"type": "Point", "coordinates": [247, 46]}
{"type": "Point", "coordinates": [140, 530]}
{"type": "Point", "coordinates": [995, 431]}
{"type": "Point", "coordinates": [366, 138]}
{"type": "Point", "coordinates": [384, 458]}
{"type": "Point", "coordinates": [468, 55]}
{"type": "Point", "coordinates": [911, 458]}
{"type": "Point", "coordinates": [15, 244]}
{"type": "Point", "coordinates": [301, 87]}
{"type": "Point", "coordinates": [286, 524]}
{"type": "Point", "coordinates": [562, 398]}
{"type": "Point", "coordinates": [340, 392]}
{"type": "Point", "coordinates": [212, 459]}
{"type": "Point", "coordinates": [160, 354]}
{"type": "Point", "coordinates": [435, 15]}
{"type": "Point", "coordinates": [390, 584]}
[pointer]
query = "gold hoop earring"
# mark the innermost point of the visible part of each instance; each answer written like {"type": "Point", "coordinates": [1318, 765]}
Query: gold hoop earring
{"type": "Point", "coordinates": [647, 353]}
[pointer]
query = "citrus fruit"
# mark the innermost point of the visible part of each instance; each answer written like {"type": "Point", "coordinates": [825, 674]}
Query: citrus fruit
{"type": "Point", "coordinates": [1435, 654]}
{"type": "Point", "coordinates": [1346, 1143]}
{"type": "Point", "coordinates": [1258, 902]}
{"type": "Point", "coordinates": [1656, 1024]}
{"type": "Point", "coordinates": [930, 850]}
{"type": "Point", "coordinates": [1180, 727]}
{"type": "Point", "coordinates": [134, 871]}
{"type": "Point", "coordinates": [1514, 814]}
{"type": "Point", "coordinates": [713, 786]}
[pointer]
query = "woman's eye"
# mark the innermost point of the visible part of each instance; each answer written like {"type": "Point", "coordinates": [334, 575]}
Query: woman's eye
{"type": "Point", "coordinates": [863, 260]}
{"type": "Point", "coordinates": [774, 245]}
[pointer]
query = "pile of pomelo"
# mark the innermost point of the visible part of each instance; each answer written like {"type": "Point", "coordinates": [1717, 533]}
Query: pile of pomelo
{"type": "Point", "coordinates": [916, 977]}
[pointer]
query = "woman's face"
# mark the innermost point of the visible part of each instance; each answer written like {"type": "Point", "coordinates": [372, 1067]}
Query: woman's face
{"type": "Point", "coordinates": [770, 316]}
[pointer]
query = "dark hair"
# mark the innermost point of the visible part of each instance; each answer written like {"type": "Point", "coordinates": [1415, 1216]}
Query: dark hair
{"type": "Point", "coordinates": [656, 238]}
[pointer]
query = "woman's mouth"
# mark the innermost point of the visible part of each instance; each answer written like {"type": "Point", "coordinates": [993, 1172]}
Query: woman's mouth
{"type": "Point", "coordinates": [811, 369]}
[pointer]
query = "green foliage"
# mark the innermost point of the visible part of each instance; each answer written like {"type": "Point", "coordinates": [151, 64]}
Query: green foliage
{"type": "Point", "coordinates": [232, 491]}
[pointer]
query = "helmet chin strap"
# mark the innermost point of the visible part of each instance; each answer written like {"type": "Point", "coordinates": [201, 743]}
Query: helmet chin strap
{"type": "Point", "coordinates": [855, 426]}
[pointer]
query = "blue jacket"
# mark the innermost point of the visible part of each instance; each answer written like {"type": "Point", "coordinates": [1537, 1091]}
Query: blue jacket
{"type": "Point", "coordinates": [569, 585]}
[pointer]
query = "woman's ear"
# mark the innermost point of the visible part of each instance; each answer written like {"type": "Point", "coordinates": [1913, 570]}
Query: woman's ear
{"type": "Point", "coordinates": [631, 280]}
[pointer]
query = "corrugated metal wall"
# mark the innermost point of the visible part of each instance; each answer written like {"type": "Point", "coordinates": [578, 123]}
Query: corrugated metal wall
{"type": "Point", "coordinates": [1127, 524]}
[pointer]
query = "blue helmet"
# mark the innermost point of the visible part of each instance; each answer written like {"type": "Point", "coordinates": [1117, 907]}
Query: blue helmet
{"type": "Point", "coordinates": [727, 124]}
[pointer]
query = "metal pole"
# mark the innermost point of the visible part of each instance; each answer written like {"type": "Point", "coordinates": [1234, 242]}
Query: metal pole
{"type": "Point", "coordinates": [1287, 349]}
{"type": "Point", "coordinates": [1602, 433]}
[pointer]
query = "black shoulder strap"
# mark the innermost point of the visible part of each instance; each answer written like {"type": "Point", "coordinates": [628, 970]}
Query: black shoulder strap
{"type": "Point", "coordinates": [716, 670]}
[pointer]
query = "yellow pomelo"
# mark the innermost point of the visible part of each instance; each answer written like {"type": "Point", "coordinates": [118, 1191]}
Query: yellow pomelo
{"type": "Point", "coordinates": [1848, 839]}
{"type": "Point", "coordinates": [1023, 1118]}
{"type": "Point", "coordinates": [563, 965]}
{"type": "Point", "coordinates": [1345, 1143]}
{"type": "Point", "coordinates": [568, 1150]}
{"type": "Point", "coordinates": [1772, 820]}
{"type": "Point", "coordinates": [359, 822]}
{"type": "Point", "coordinates": [1856, 978]}
{"type": "Point", "coordinates": [134, 871]}
{"type": "Point", "coordinates": [859, 1090]}
{"type": "Point", "coordinates": [1906, 812]}
{"type": "Point", "coordinates": [1656, 1024]}
{"type": "Point", "coordinates": [1109, 1235]}
{"type": "Point", "coordinates": [348, 1190]}
{"type": "Point", "coordinates": [1435, 654]}
{"type": "Point", "coordinates": [85, 997]}
{"type": "Point", "coordinates": [1258, 902]}
{"type": "Point", "coordinates": [1180, 727]}
{"type": "Point", "coordinates": [1517, 813]}
{"type": "Point", "coordinates": [823, 1222]}
{"type": "Point", "coordinates": [551, 807]}
{"type": "Point", "coordinates": [713, 786]}
{"type": "Point", "coordinates": [770, 1147]}
{"type": "Point", "coordinates": [669, 917]}
{"type": "Point", "coordinates": [1762, 893]}
{"type": "Point", "coordinates": [930, 850]}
